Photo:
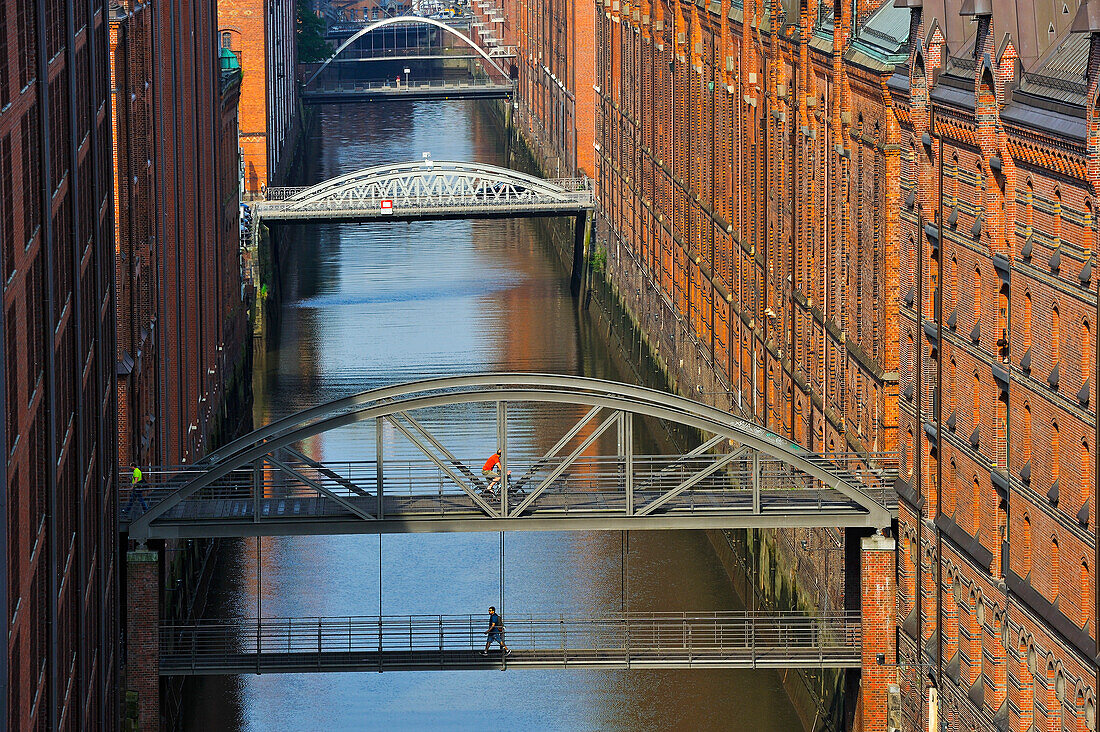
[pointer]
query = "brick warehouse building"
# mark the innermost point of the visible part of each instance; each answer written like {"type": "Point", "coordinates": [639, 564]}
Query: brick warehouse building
{"type": "Point", "coordinates": [261, 34]}
{"type": "Point", "coordinates": [997, 562]}
{"type": "Point", "coordinates": [182, 318]}
{"type": "Point", "coordinates": [769, 176]}
{"type": "Point", "coordinates": [555, 46]}
{"type": "Point", "coordinates": [181, 315]}
{"type": "Point", "coordinates": [57, 476]}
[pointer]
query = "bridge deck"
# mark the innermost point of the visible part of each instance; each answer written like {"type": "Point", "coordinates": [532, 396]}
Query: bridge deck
{"type": "Point", "coordinates": [347, 92]}
{"type": "Point", "coordinates": [442, 642]}
{"type": "Point", "coordinates": [296, 497]}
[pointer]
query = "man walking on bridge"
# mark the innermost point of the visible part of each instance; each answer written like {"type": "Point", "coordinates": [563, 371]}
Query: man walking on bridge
{"type": "Point", "coordinates": [495, 632]}
{"type": "Point", "coordinates": [136, 493]}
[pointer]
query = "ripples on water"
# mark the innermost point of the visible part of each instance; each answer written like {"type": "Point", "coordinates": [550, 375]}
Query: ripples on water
{"type": "Point", "coordinates": [377, 304]}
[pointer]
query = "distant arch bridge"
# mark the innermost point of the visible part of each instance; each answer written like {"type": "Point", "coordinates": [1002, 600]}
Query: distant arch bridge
{"type": "Point", "coordinates": [739, 476]}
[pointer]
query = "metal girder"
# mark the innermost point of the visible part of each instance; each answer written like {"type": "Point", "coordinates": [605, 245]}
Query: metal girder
{"type": "Point", "coordinates": [414, 20]}
{"type": "Point", "coordinates": [550, 389]}
{"type": "Point", "coordinates": [237, 527]}
{"type": "Point", "coordinates": [714, 467]}
{"type": "Point", "coordinates": [447, 469]}
{"type": "Point", "coordinates": [330, 474]}
{"type": "Point", "coordinates": [564, 464]}
{"type": "Point", "coordinates": [320, 488]}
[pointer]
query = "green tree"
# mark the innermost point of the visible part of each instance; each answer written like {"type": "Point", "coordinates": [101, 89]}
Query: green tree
{"type": "Point", "coordinates": [312, 46]}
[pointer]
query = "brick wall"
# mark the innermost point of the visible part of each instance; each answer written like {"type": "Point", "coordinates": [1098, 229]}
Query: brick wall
{"type": "Point", "coordinates": [143, 635]}
{"type": "Point", "coordinates": [261, 33]}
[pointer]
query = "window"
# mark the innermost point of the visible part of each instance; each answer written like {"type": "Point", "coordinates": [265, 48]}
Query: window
{"type": "Point", "coordinates": [1055, 458]}
{"type": "Point", "coordinates": [977, 400]}
{"type": "Point", "coordinates": [1002, 434]}
{"type": "Point", "coordinates": [1025, 443]}
{"type": "Point", "coordinates": [954, 283]}
{"type": "Point", "coordinates": [1086, 357]}
{"type": "Point", "coordinates": [227, 39]}
{"type": "Point", "coordinates": [1055, 336]}
{"type": "Point", "coordinates": [977, 298]}
{"type": "Point", "coordinates": [1055, 568]}
{"type": "Point", "coordinates": [1086, 473]}
{"type": "Point", "coordinates": [976, 506]}
{"type": "Point", "coordinates": [1056, 212]}
{"type": "Point", "coordinates": [1026, 559]}
{"type": "Point", "coordinates": [1086, 593]}
{"type": "Point", "coordinates": [1027, 320]}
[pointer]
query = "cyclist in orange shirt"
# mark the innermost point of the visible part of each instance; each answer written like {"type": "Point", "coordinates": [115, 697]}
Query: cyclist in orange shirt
{"type": "Point", "coordinates": [491, 470]}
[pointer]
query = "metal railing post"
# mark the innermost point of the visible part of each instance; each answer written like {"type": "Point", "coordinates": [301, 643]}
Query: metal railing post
{"type": "Point", "coordinates": [318, 643]}
{"type": "Point", "coordinates": [380, 510]}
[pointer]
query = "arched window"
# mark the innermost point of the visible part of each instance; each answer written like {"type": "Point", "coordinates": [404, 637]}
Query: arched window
{"type": "Point", "coordinates": [909, 454]}
{"type": "Point", "coordinates": [1029, 205]}
{"type": "Point", "coordinates": [949, 489]}
{"type": "Point", "coordinates": [977, 297]}
{"type": "Point", "coordinates": [1055, 336]}
{"type": "Point", "coordinates": [1002, 433]}
{"type": "Point", "coordinates": [1026, 558]}
{"type": "Point", "coordinates": [1027, 320]}
{"type": "Point", "coordinates": [1086, 357]}
{"type": "Point", "coordinates": [227, 39]}
{"type": "Point", "coordinates": [1055, 569]}
{"type": "Point", "coordinates": [1025, 675]}
{"type": "Point", "coordinates": [976, 403]}
{"type": "Point", "coordinates": [1025, 442]}
{"type": "Point", "coordinates": [954, 283]}
{"type": "Point", "coordinates": [1086, 471]}
{"type": "Point", "coordinates": [976, 506]}
{"type": "Point", "coordinates": [1089, 233]}
{"type": "Point", "coordinates": [1055, 453]}
{"type": "Point", "coordinates": [1086, 593]}
{"type": "Point", "coordinates": [954, 387]}
{"type": "Point", "coordinates": [1057, 214]}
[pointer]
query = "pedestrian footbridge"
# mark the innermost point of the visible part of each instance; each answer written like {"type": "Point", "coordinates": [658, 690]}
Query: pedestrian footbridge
{"type": "Point", "coordinates": [427, 190]}
{"type": "Point", "coordinates": [581, 473]}
{"type": "Point", "coordinates": [454, 642]}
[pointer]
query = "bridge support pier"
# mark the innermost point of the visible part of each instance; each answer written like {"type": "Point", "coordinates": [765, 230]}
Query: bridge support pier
{"type": "Point", "coordinates": [877, 597]}
{"type": "Point", "coordinates": [143, 585]}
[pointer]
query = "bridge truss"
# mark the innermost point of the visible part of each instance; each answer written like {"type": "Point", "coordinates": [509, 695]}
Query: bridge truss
{"type": "Point", "coordinates": [409, 480]}
{"type": "Point", "coordinates": [428, 190]}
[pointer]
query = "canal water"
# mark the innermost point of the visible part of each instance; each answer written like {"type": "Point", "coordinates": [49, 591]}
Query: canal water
{"type": "Point", "coordinates": [368, 305]}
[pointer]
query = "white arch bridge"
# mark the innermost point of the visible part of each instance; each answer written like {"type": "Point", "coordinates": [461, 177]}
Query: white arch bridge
{"type": "Point", "coordinates": [497, 82]}
{"type": "Point", "coordinates": [428, 190]}
{"type": "Point", "coordinates": [584, 476]}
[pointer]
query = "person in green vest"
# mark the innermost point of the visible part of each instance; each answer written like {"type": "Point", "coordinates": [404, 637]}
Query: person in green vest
{"type": "Point", "coordinates": [137, 493]}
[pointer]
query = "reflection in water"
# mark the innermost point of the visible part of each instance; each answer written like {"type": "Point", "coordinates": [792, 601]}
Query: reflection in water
{"type": "Point", "coordinates": [371, 305]}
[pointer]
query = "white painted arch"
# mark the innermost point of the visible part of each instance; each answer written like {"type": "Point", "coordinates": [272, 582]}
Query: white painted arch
{"type": "Point", "coordinates": [416, 20]}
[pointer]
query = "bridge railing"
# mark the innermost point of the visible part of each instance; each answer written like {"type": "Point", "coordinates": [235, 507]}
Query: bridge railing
{"type": "Point", "coordinates": [352, 87]}
{"type": "Point", "coordinates": [582, 189]}
{"type": "Point", "coordinates": [592, 483]}
{"type": "Point", "coordinates": [775, 637]}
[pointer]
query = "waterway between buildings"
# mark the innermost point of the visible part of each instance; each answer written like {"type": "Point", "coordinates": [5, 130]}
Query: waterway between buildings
{"type": "Point", "coordinates": [369, 305]}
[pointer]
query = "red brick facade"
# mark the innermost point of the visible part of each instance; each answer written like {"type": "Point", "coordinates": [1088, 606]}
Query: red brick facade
{"type": "Point", "coordinates": [180, 310]}
{"type": "Point", "coordinates": [261, 33]}
{"type": "Point", "coordinates": [870, 226]}
{"type": "Point", "coordinates": [555, 46]}
{"type": "Point", "coordinates": [998, 514]}
{"type": "Point", "coordinates": [57, 487]}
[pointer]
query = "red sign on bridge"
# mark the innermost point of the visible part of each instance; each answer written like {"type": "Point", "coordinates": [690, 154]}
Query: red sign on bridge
{"type": "Point", "coordinates": [387, 206]}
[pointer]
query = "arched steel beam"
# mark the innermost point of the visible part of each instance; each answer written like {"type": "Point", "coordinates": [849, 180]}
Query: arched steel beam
{"type": "Point", "coordinates": [416, 19]}
{"type": "Point", "coordinates": [398, 171]}
{"type": "Point", "coordinates": [547, 388]}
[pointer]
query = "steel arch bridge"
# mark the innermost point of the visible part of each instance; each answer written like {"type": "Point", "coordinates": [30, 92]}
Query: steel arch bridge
{"type": "Point", "coordinates": [486, 56]}
{"type": "Point", "coordinates": [739, 476]}
{"type": "Point", "coordinates": [428, 190]}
